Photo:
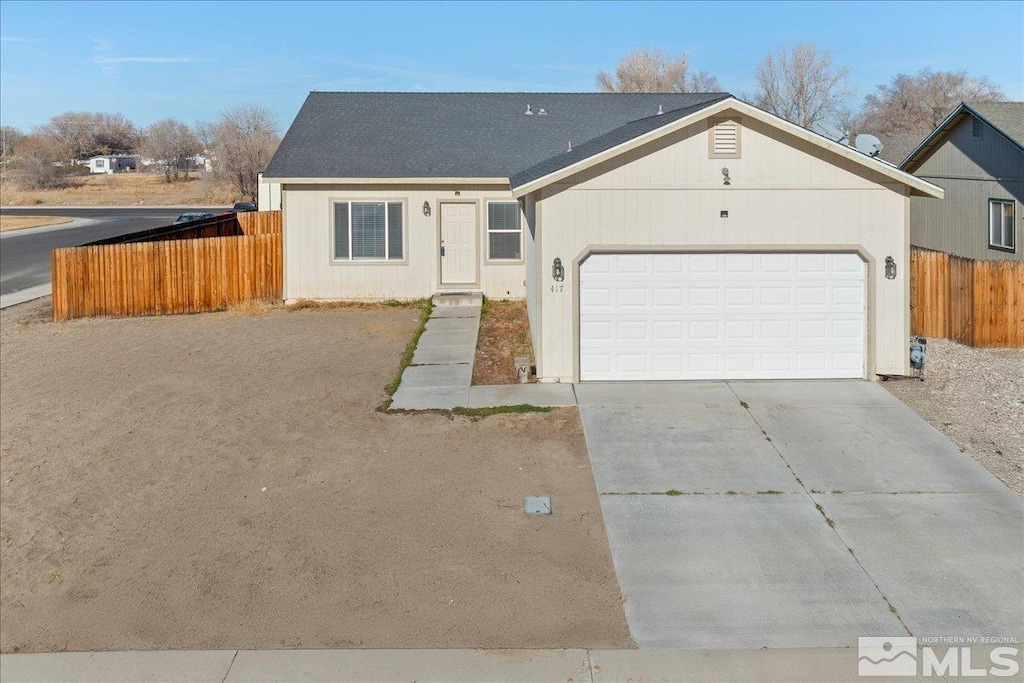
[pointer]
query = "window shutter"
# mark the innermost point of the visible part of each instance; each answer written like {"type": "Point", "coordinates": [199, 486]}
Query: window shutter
{"type": "Point", "coordinates": [725, 139]}
{"type": "Point", "coordinates": [367, 230]}
{"type": "Point", "coordinates": [975, 128]}
{"type": "Point", "coordinates": [395, 230]}
{"type": "Point", "coordinates": [341, 230]}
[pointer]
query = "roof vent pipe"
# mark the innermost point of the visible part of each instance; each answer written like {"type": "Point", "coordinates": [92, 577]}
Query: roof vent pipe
{"type": "Point", "coordinates": [570, 146]}
{"type": "Point", "coordinates": [660, 110]}
{"type": "Point", "coordinates": [529, 110]}
{"type": "Point", "coordinates": [542, 112]}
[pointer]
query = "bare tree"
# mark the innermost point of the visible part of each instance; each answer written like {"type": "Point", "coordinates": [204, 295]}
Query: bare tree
{"type": "Point", "coordinates": [246, 140]}
{"type": "Point", "coordinates": [84, 134]}
{"type": "Point", "coordinates": [206, 134]}
{"type": "Point", "coordinates": [903, 111]}
{"type": "Point", "coordinates": [40, 163]}
{"type": "Point", "coordinates": [648, 70]}
{"type": "Point", "coordinates": [172, 145]}
{"type": "Point", "coordinates": [802, 85]}
{"type": "Point", "coordinates": [10, 138]}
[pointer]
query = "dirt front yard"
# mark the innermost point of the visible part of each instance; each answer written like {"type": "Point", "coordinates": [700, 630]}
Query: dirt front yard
{"type": "Point", "coordinates": [224, 481]}
{"type": "Point", "coordinates": [976, 398]}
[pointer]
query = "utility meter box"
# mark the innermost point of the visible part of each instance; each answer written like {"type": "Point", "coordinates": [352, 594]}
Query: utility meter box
{"type": "Point", "coordinates": [918, 349]}
{"type": "Point", "coordinates": [523, 370]}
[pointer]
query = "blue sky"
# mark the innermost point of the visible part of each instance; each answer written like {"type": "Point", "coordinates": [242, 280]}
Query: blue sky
{"type": "Point", "coordinates": [190, 60]}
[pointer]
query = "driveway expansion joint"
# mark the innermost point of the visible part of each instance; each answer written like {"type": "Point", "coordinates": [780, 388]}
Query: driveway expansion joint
{"type": "Point", "coordinates": [821, 510]}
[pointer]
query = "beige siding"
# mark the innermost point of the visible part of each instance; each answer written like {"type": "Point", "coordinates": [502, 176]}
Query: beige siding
{"type": "Point", "coordinates": [311, 273]}
{"type": "Point", "coordinates": [532, 272]}
{"type": "Point", "coordinates": [785, 195]}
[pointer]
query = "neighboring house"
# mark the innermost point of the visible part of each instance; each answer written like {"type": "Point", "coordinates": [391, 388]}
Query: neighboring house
{"type": "Point", "coordinates": [977, 156]}
{"type": "Point", "coordinates": [113, 163]}
{"type": "Point", "coordinates": [653, 236]}
{"type": "Point", "coordinates": [269, 195]}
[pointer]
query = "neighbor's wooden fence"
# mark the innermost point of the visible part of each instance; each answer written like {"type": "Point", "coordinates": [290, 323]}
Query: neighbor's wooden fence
{"type": "Point", "coordinates": [980, 303]}
{"type": "Point", "coordinates": [187, 270]}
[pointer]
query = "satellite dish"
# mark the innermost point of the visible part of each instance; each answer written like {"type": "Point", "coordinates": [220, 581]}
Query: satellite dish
{"type": "Point", "coordinates": [868, 144]}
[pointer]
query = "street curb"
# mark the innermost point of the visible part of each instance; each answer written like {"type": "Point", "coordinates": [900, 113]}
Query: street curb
{"type": "Point", "coordinates": [24, 295]}
{"type": "Point", "coordinates": [435, 665]}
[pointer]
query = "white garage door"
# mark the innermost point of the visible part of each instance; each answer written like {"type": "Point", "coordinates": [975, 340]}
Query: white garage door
{"type": "Point", "coordinates": [721, 316]}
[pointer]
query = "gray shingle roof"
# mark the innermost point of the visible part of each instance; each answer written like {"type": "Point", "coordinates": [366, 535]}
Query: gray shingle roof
{"type": "Point", "coordinates": [604, 142]}
{"type": "Point", "coordinates": [1006, 116]}
{"type": "Point", "coordinates": [463, 135]}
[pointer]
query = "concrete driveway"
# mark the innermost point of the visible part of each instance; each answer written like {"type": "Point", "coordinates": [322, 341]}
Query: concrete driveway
{"type": "Point", "coordinates": [797, 514]}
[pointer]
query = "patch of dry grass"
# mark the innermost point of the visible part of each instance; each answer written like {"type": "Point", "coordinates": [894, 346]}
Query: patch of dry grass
{"type": "Point", "coordinates": [504, 336]}
{"type": "Point", "coordinates": [260, 307]}
{"type": "Point", "coordinates": [124, 189]}
{"type": "Point", "coordinates": [22, 222]}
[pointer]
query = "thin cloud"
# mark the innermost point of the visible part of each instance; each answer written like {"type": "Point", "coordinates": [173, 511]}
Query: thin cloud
{"type": "Point", "coordinates": [19, 39]}
{"type": "Point", "coordinates": [145, 60]}
{"type": "Point", "coordinates": [434, 80]}
{"type": "Point", "coordinates": [109, 59]}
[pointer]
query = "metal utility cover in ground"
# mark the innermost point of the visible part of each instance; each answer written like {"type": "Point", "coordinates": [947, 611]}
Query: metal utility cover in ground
{"type": "Point", "coordinates": [537, 505]}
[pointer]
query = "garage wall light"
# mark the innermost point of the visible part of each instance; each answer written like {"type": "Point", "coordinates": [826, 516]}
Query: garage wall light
{"type": "Point", "coordinates": [426, 208]}
{"type": "Point", "coordinates": [890, 268]}
{"type": "Point", "coordinates": [557, 270]}
{"type": "Point", "coordinates": [726, 179]}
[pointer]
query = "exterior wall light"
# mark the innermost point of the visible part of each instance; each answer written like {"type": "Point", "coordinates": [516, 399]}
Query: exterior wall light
{"type": "Point", "coordinates": [426, 208]}
{"type": "Point", "coordinates": [557, 270]}
{"type": "Point", "coordinates": [890, 268]}
{"type": "Point", "coordinates": [726, 180]}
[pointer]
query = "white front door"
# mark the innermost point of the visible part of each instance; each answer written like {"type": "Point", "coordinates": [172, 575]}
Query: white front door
{"type": "Point", "coordinates": [721, 316]}
{"type": "Point", "coordinates": [458, 244]}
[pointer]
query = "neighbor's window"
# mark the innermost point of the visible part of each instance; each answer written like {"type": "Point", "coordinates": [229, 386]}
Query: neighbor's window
{"type": "Point", "coordinates": [504, 233]}
{"type": "Point", "coordinates": [368, 231]}
{"type": "Point", "coordinates": [1000, 224]}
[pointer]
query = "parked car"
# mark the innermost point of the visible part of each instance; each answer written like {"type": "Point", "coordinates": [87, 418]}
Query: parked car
{"type": "Point", "coordinates": [241, 207]}
{"type": "Point", "coordinates": [189, 217]}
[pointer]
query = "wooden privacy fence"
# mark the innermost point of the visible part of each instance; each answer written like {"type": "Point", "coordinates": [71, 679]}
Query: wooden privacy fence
{"type": "Point", "coordinates": [980, 303]}
{"type": "Point", "coordinates": [160, 272]}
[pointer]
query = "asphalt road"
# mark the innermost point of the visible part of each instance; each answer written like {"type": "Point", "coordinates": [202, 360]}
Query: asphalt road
{"type": "Point", "coordinates": [25, 259]}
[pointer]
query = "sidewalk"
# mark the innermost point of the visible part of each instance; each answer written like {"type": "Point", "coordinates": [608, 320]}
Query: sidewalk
{"type": "Point", "coordinates": [424, 666]}
{"type": "Point", "coordinates": [27, 294]}
{"type": "Point", "coordinates": [441, 372]}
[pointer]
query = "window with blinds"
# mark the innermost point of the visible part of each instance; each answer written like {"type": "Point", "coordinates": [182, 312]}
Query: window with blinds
{"type": "Point", "coordinates": [369, 231]}
{"type": "Point", "coordinates": [504, 232]}
{"type": "Point", "coordinates": [724, 139]}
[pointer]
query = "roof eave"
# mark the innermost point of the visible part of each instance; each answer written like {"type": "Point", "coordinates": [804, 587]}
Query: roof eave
{"type": "Point", "coordinates": [917, 185]}
{"type": "Point", "coordinates": [428, 180]}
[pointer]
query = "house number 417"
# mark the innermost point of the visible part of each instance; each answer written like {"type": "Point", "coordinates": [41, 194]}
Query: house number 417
{"type": "Point", "coordinates": [557, 288]}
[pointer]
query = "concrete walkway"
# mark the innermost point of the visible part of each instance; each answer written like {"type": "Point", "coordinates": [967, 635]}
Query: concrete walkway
{"type": "Point", "coordinates": [797, 514]}
{"type": "Point", "coordinates": [442, 366]}
{"type": "Point", "coordinates": [425, 666]}
{"type": "Point", "coordinates": [441, 372]}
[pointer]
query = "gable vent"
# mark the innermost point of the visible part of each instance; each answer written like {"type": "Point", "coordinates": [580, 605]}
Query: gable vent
{"type": "Point", "coordinates": [725, 139]}
{"type": "Point", "coordinates": [975, 128]}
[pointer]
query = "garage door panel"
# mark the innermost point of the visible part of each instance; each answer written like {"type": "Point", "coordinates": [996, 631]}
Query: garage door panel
{"type": "Point", "coordinates": [722, 316]}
